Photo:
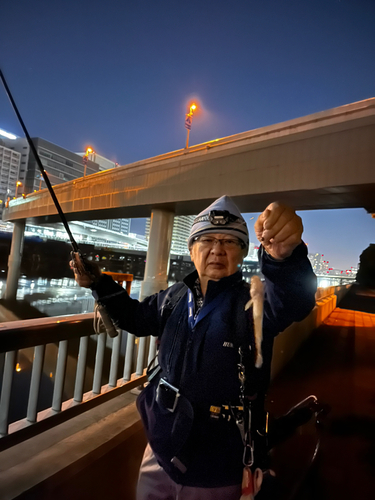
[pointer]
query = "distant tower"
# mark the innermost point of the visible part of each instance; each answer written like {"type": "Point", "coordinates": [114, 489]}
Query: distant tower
{"type": "Point", "coordinates": [10, 162]}
{"type": "Point", "coordinates": [180, 235]}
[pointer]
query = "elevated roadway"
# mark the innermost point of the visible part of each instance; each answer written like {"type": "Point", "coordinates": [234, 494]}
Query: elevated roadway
{"type": "Point", "coordinates": [321, 161]}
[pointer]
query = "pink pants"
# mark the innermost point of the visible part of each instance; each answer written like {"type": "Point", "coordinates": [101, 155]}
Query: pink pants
{"type": "Point", "coordinates": [155, 484]}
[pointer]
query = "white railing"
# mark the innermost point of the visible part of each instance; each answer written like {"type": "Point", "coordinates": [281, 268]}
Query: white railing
{"type": "Point", "coordinates": [41, 333]}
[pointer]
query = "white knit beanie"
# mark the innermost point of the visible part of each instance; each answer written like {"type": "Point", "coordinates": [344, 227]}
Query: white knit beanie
{"type": "Point", "coordinates": [222, 216]}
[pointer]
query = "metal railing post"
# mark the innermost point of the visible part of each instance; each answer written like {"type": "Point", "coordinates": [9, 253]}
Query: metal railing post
{"type": "Point", "coordinates": [10, 360]}
{"type": "Point", "coordinates": [36, 376]}
{"type": "Point", "coordinates": [130, 340]}
{"type": "Point", "coordinates": [100, 350]}
{"type": "Point", "coordinates": [81, 369]}
{"type": "Point", "coordinates": [60, 376]}
{"type": "Point", "coordinates": [114, 360]}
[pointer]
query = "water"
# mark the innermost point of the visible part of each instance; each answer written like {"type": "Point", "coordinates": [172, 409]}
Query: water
{"type": "Point", "coordinates": [57, 297]}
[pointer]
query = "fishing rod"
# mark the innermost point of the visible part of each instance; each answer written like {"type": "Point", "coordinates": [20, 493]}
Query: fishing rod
{"type": "Point", "coordinates": [40, 165]}
{"type": "Point", "coordinates": [111, 330]}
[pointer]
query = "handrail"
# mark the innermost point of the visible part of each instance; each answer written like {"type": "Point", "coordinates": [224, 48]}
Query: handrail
{"type": "Point", "coordinates": [38, 334]}
{"type": "Point", "coordinates": [15, 335]}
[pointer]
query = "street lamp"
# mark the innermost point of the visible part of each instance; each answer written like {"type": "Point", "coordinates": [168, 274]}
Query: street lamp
{"type": "Point", "coordinates": [18, 184]}
{"type": "Point", "coordinates": [89, 150]}
{"type": "Point", "coordinates": [41, 178]}
{"type": "Point", "coordinates": [188, 121]}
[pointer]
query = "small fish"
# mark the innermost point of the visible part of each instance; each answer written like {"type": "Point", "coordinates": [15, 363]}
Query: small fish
{"type": "Point", "coordinates": [256, 300]}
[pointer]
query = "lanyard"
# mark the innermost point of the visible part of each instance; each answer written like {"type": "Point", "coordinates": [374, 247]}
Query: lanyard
{"type": "Point", "coordinates": [204, 311]}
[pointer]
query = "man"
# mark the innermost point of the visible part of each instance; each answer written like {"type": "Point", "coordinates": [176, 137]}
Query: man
{"type": "Point", "coordinates": [195, 450]}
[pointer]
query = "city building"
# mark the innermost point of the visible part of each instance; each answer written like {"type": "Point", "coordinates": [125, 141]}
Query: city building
{"type": "Point", "coordinates": [117, 225]}
{"type": "Point", "coordinates": [318, 263]}
{"type": "Point", "coordinates": [181, 230]}
{"type": "Point", "coordinates": [9, 170]}
{"type": "Point", "coordinates": [180, 234]}
{"type": "Point", "coordinates": [61, 166]}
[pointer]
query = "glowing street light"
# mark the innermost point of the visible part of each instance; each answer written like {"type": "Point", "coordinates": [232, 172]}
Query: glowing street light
{"type": "Point", "coordinates": [41, 178]}
{"type": "Point", "coordinates": [89, 151]}
{"type": "Point", "coordinates": [18, 184]}
{"type": "Point", "coordinates": [188, 122]}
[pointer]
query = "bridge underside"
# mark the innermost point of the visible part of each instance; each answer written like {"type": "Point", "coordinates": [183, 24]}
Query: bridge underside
{"type": "Point", "coordinates": [321, 161]}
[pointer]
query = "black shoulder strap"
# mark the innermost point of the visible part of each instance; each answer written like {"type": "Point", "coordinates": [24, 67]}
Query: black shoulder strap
{"type": "Point", "coordinates": [172, 301]}
{"type": "Point", "coordinates": [167, 308]}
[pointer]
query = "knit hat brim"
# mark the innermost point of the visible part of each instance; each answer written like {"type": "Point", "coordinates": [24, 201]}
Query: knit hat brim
{"type": "Point", "coordinates": [222, 216]}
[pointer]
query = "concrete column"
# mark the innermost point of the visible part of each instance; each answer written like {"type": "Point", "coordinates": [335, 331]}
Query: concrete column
{"type": "Point", "coordinates": [159, 246]}
{"type": "Point", "coordinates": [14, 261]}
{"type": "Point", "coordinates": [156, 272]}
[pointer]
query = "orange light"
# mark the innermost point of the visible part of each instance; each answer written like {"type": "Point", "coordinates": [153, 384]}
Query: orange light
{"type": "Point", "coordinates": [193, 107]}
{"type": "Point", "coordinates": [18, 183]}
{"type": "Point", "coordinates": [89, 150]}
{"type": "Point", "coordinates": [18, 368]}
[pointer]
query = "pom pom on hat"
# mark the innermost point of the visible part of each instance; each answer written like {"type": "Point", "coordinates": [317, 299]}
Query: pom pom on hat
{"type": "Point", "coordinates": [222, 216]}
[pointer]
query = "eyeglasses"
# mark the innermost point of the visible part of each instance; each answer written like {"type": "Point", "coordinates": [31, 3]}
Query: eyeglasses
{"type": "Point", "coordinates": [227, 243]}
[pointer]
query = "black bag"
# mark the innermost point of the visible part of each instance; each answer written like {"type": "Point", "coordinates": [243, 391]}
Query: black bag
{"type": "Point", "coordinates": [166, 430]}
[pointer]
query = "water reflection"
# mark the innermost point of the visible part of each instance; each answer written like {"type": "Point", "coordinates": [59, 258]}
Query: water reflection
{"type": "Point", "coordinates": [57, 297]}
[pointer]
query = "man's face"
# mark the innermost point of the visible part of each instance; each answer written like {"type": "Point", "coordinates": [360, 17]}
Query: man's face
{"type": "Point", "coordinates": [213, 259]}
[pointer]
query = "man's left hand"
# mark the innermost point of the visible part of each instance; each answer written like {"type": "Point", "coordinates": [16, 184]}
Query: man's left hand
{"type": "Point", "coordinates": [279, 229]}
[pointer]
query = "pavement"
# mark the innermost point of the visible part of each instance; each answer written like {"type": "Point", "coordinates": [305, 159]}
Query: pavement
{"type": "Point", "coordinates": [337, 364]}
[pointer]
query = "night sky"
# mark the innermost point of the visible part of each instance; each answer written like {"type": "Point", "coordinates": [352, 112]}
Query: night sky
{"type": "Point", "coordinates": [118, 75]}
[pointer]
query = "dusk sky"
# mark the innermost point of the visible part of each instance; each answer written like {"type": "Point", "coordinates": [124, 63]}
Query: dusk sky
{"type": "Point", "coordinates": [118, 75]}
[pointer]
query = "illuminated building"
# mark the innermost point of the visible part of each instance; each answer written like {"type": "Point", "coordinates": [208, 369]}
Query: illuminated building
{"type": "Point", "coordinates": [180, 235]}
{"type": "Point", "coordinates": [10, 162]}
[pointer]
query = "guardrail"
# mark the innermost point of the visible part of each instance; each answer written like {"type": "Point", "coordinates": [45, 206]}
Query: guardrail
{"type": "Point", "coordinates": [40, 333]}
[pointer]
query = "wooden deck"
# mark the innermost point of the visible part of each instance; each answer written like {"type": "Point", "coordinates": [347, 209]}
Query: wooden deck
{"type": "Point", "coordinates": [337, 364]}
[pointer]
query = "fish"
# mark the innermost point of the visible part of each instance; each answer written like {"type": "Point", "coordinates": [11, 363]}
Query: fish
{"type": "Point", "coordinates": [256, 302]}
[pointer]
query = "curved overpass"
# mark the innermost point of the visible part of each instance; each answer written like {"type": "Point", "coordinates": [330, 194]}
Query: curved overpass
{"type": "Point", "coordinates": [324, 160]}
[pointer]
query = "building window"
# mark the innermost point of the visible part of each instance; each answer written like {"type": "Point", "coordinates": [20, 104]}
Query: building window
{"type": "Point", "coordinates": [45, 153]}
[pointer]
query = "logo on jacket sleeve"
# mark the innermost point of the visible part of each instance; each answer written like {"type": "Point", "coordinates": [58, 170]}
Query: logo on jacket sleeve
{"type": "Point", "coordinates": [228, 344]}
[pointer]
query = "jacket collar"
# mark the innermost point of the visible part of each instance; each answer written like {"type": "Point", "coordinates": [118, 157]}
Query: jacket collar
{"type": "Point", "coordinates": [214, 287]}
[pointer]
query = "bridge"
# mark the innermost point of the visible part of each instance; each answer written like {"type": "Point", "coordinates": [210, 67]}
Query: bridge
{"type": "Point", "coordinates": [324, 160]}
{"type": "Point", "coordinates": [321, 161]}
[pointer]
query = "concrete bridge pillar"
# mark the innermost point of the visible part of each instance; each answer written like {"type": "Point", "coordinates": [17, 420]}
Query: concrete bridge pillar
{"type": "Point", "coordinates": [14, 260]}
{"type": "Point", "coordinates": [156, 271]}
{"type": "Point", "coordinates": [159, 247]}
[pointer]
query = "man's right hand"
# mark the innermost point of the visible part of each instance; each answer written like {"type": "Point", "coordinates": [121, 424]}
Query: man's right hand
{"type": "Point", "coordinates": [84, 274]}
